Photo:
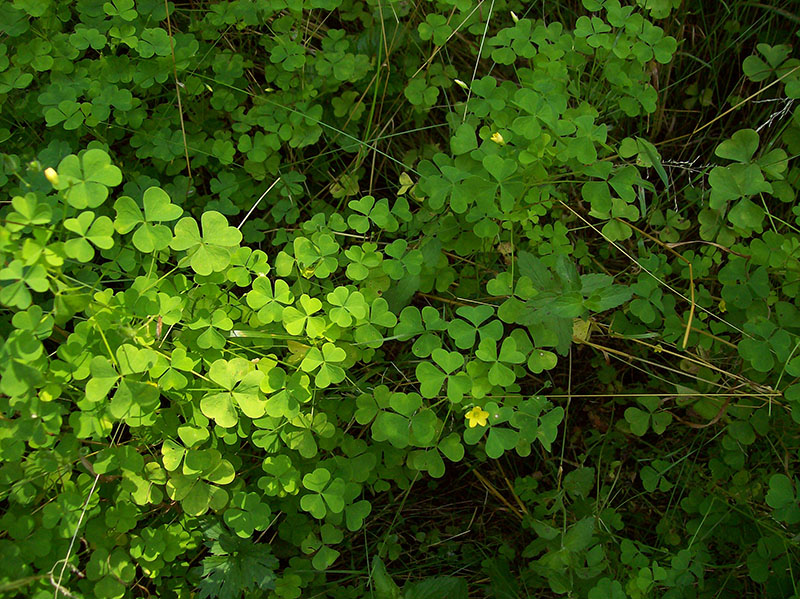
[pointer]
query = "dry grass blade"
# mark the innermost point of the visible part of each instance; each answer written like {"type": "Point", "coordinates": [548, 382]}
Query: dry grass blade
{"type": "Point", "coordinates": [178, 86]}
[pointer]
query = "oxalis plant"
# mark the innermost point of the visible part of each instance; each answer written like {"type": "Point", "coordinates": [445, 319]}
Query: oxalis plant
{"type": "Point", "coordinates": [237, 321]}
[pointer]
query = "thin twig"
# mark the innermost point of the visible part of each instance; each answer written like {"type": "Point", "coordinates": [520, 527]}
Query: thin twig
{"type": "Point", "coordinates": [258, 201]}
{"type": "Point", "coordinates": [178, 86]}
{"type": "Point", "coordinates": [477, 60]}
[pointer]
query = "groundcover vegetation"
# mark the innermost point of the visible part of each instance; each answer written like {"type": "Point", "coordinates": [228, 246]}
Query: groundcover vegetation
{"type": "Point", "coordinates": [397, 299]}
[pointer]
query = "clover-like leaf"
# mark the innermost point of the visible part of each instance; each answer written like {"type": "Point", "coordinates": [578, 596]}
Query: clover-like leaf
{"type": "Point", "coordinates": [104, 377]}
{"type": "Point", "coordinates": [499, 440]}
{"type": "Point", "coordinates": [540, 360]}
{"type": "Point", "coordinates": [499, 372]}
{"type": "Point", "coordinates": [356, 513]}
{"type": "Point", "coordinates": [783, 498]}
{"type": "Point", "coordinates": [741, 147]}
{"type": "Point", "coordinates": [735, 181]}
{"type": "Point", "coordinates": [639, 420]}
{"type": "Point", "coordinates": [246, 513]}
{"type": "Point", "coordinates": [329, 372]}
{"type": "Point", "coordinates": [296, 320]}
{"type": "Point", "coordinates": [28, 210]}
{"type": "Point", "coordinates": [85, 180]}
{"type": "Point", "coordinates": [327, 493]}
{"type": "Point", "coordinates": [16, 294]}
{"type": "Point", "coordinates": [172, 454]}
{"type": "Point", "coordinates": [463, 140]}
{"type": "Point", "coordinates": [269, 303]}
{"type": "Point", "coordinates": [240, 381]}
{"type": "Point", "coordinates": [211, 251]}
{"type": "Point", "coordinates": [391, 427]}
{"type": "Point", "coordinates": [347, 306]}
{"type": "Point", "coordinates": [150, 236]}
{"type": "Point", "coordinates": [430, 379]}
{"type": "Point", "coordinates": [97, 231]}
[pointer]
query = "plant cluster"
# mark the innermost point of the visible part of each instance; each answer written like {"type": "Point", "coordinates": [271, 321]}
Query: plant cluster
{"type": "Point", "coordinates": [267, 268]}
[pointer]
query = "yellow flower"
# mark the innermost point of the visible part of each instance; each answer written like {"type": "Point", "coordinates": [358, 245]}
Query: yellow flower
{"type": "Point", "coordinates": [477, 416]}
{"type": "Point", "coordinates": [51, 175]}
{"type": "Point", "coordinates": [498, 139]}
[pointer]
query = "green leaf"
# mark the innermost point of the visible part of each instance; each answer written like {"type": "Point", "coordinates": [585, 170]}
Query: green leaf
{"type": "Point", "coordinates": [463, 140]}
{"type": "Point", "coordinates": [430, 379]}
{"type": "Point", "coordinates": [500, 168]}
{"type": "Point", "coordinates": [541, 360]}
{"type": "Point", "coordinates": [391, 427]}
{"type": "Point", "coordinates": [219, 407]}
{"type": "Point", "coordinates": [734, 182]}
{"type": "Point", "coordinates": [499, 441]}
{"type": "Point", "coordinates": [608, 298]}
{"type": "Point", "coordinates": [104, 377]}
{"type": "Point", "coordinates": [508, 352]}
{"type": "Point", "coordinates": [615, 230]}
{"type": "Point", "coordinates": [28, 210]}
{"type": "Point", "coordinates": [639, 420]}
{"type": "Point", "coordinates": [158, 207]}
{"type": "Point", "coordinates": [124, 9]}
{"type": "Point", "coordinates": [548, 426]}
{"type": "Point", "coordinates": [172, 455]}
{"type": "Point", "coordinates": [448, 361]}
{"type": "Point", "coordinates": [781, 492]}
{"type": "Point", "coordinates": [295, 321]}
{"type": "Point", "coordinates": [210, 252]}
{"type": "Point", "coordinates": [607, 589]}
{"type": "Point", "coordinates": [97, 231]}
{"type": "Point", "coordinates": [437, 587]}
{"type": "Point", "coordinates": [580, 482]}
{"type": "Point", "coordinates": [653, 158]}
{"type": "Point", "coordinates": [192, 436]}
{"type": "Point", "coordinates": [128, 214]}
{"type": "Point", "coordinates": [235, 566]}
{"type": "Point", "coordinates": [270, 304]}
{"type": "Point", "coordinates": [85, 180]}
{"type": "Point", "coordinates": [741, 147]}
{"type": "Point", "coordinates": [325, 360]}
{"type": "Point", "coordinates": [742, 431]}
{"type": "Point", "coordinates": [356, 513]}
{"type": "Point", "coordinates": [747, 216]}
{"type": "Point", "coordinates": [757, 352]}
{"type": "Point", "coordinates": [324, 558]}
{"type": "Point", "coordinates": [247, 513]}
{"type": "Point", "coordinates": [327, 493]}
{"type": "Point", "coordinates": [380, 315]}
{"type": "Point", "coordinates": [382, 584]}
{"type": "Point", "coordinates": [452, 448]}
{"type": "Point", "coordinates": [580, 535]}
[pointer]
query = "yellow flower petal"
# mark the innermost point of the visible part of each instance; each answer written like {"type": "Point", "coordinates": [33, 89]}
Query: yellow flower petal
{"type": "Point", "coordinates": [477, 416]}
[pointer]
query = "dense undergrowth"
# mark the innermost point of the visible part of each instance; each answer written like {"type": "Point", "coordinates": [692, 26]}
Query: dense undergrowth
{"type": "Point", "coordinates": [388, 299]}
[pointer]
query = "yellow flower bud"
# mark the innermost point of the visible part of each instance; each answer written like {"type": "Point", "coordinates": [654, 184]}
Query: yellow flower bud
{"type": "Point", "coordinates": [498, 139]}
{"type": "Point", "coordinates": [461, 84]}
{"type": "Point", "coordinates": [51, 175]}
{"type": "Point", "coordinates": [514, 17]}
